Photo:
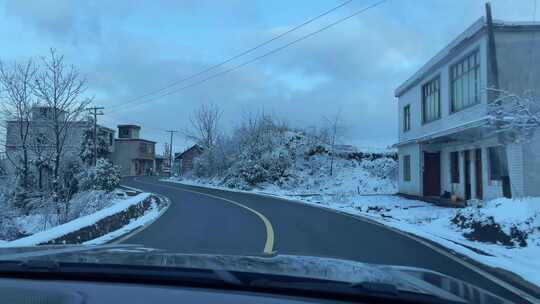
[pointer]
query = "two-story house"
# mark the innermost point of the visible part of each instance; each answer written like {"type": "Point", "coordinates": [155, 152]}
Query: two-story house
{"type": "Point", "coordinates": [132, 154]}
{"type": "Point", "coordinates": [445, 149]}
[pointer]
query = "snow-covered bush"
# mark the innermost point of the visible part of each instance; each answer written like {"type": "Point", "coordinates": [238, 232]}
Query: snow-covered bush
{"type": "Point", "coordinates": [511, 222]}
{"type": "Point", "coordinates": [384, 167]}
{"type": "Point", "coordinates": [8, 228]}
{"type": "Point", "coordinates": [88, 202]}
{"type": "Point", "coordinates": [104, 176]}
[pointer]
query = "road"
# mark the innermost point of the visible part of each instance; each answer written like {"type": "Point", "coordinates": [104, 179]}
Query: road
{"type": "Point", "coordinates": [202, 220]}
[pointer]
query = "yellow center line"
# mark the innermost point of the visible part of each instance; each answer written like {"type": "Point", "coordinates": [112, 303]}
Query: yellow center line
{"type": "Point", "coordinates": [269, 244]}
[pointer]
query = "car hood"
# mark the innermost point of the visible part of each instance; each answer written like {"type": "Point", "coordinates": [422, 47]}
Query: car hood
{"type": "Point", "coordinates": [403, 278]}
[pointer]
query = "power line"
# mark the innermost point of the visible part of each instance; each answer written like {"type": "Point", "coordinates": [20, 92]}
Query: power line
{"type": "Point", "coordinates": [213, 67]}
{"type": "Point", "coordinates": [263, 55]}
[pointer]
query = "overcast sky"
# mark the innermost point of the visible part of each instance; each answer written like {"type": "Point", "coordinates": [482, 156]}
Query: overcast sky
{"type": "Point", "coordinates": [129, 48]}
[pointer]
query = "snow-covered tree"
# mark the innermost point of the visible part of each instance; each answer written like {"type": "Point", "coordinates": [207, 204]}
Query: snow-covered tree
{"type": "Point", "coordinates": [514, 118]}
{"type": "Point", "coordinates": [87, 145]}
{"type": "Point", "coordinates": [104, 176]}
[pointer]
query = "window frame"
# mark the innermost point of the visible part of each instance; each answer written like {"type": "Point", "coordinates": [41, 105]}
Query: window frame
{"type": "Point", "coordinates": [407, 118]}
{"type": "Point", "coordinates": [477, 67]}
{"type": "Point", "coordinates": [407, 168]}
{"type": "Point", "coordinates": [436, 79]}
{"type": "Point", "coordinates": [501, 169]}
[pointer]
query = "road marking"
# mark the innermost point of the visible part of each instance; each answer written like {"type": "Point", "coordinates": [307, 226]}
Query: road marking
{"type": "Point", "coordinates": [268, 245]}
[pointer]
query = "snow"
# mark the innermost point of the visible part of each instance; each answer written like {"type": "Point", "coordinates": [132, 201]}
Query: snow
{"type": "Point", "coordinates": [427, 220]}
{"type": "Point", "coordinates": [148, 218]}
{"type": "Point", "coordinates": [79, 223]}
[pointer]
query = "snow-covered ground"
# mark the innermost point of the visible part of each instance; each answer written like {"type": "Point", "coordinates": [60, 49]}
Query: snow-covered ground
{"type": "Point", "coordinates": [348, 191]}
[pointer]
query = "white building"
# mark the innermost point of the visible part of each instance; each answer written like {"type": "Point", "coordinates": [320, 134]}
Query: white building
{"type": "Point", "coordinates": [444, 147]}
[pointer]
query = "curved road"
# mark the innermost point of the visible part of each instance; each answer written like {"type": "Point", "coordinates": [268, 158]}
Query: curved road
{"type": "Point", "coordinates": [203, 220]}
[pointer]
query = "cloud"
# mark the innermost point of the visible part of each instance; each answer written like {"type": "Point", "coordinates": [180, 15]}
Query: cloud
{"type": "Point", "coordinates": [128, 48]}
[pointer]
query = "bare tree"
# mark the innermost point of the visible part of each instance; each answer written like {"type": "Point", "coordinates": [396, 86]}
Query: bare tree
{"type": "Point", "coordinates": [204, 126]}
{"type": "Point", "coordinates": [17, 102]}
{"type": "Point", "coordinates": [514, 118]}
{"type": "Point", "coordinates": [334, 131]}
{"type": "Point", "coordinates": [60, 88]}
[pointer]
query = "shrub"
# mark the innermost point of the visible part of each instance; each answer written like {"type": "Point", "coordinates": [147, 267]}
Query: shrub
{"type": "Point", "coordinates": [384, 167]}
{"type": "Point", "coordinates": [104, 176]}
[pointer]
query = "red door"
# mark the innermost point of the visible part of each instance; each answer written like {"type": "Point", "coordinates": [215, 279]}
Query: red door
{"type": "Point", "coordinates": [432, 174]}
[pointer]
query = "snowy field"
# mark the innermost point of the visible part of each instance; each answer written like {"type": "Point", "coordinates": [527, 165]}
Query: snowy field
{"type": "Point", "coordinates": [341, 193]}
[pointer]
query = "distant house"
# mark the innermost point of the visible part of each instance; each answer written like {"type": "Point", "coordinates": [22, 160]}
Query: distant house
{"type": "Point", "coordinates": [133, 155]}
{"type": "Point", "coordinates": [183, 162]}
{"type": "Point", "coordinates": [444, 147]}
{"type": "Point", "coordinates": [40, 133]}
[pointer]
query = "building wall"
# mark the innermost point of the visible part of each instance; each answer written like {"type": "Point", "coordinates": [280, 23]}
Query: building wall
{"type": "Point", "coordinates": [448, 120]}
{"type": "Point", "coordinates": [519, 71]}
{"type": "Point", "coordinates": [71, 148]}
{"type": "Point", "coordinates": [187, 160]}
{"type": "Point", "coordinates": [414, 186]}
{"type": "Point", "coordinates": [518, 60]}
{"type": "Point", "coordinates": [126, 151]}
{"type": "Point", "coordinates": [531, 166]}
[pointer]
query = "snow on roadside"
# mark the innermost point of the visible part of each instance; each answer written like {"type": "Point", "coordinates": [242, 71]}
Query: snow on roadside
{"type": "Point", "coordinates": [433, 223]}
{"type": "Point", "coordinates": [74, 225]}
{"type": "Point", "coordinates": [144, 220]}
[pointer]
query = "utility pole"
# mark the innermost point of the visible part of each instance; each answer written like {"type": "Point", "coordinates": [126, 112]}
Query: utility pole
{"type": "Point", "coordinates": [492, 54]}
{"type": "Point", "coordinates": [171, 151]}
{"type": "Point", "coordinates": [95, 111]}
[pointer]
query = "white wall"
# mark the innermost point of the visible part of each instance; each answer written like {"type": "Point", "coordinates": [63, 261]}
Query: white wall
{"type": "Point", "coordinates": [414, 186]}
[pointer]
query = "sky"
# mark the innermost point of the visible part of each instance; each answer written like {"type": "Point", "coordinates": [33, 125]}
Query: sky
{"type": "Point", "coordinates": [129, 48]}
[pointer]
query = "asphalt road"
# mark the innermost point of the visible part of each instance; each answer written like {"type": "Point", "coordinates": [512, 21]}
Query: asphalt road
{"type": "Point", "coordinates": [202, 220]}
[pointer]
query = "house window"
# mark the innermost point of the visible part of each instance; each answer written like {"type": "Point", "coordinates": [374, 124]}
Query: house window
{"type": "Point", "coordinates": [465, 82]}
{"type": "Point", "coordinates": [406, 118]}
{"type": "Point", "coordinates": [431, 100]}
{"type": "Point", "coordinates": [454, 167]}
{"type": "Point", "coordinates": [498, 164]}
{"type": "Point", "coordinates": [406, 168]}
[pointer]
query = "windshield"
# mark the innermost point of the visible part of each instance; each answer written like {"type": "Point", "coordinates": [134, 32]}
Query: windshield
{"type": "Point", "coordinates": [390, 135]}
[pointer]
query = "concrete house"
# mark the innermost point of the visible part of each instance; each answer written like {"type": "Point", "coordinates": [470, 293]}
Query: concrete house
{"type": "Point", "coordinates": [183, 162]}
{"type": "Point", "coordinates": [40, 134]}
{"type": "Point", "coordinates": [444, 148]}
{"type": "Point", "coordinates": [133, 155]}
